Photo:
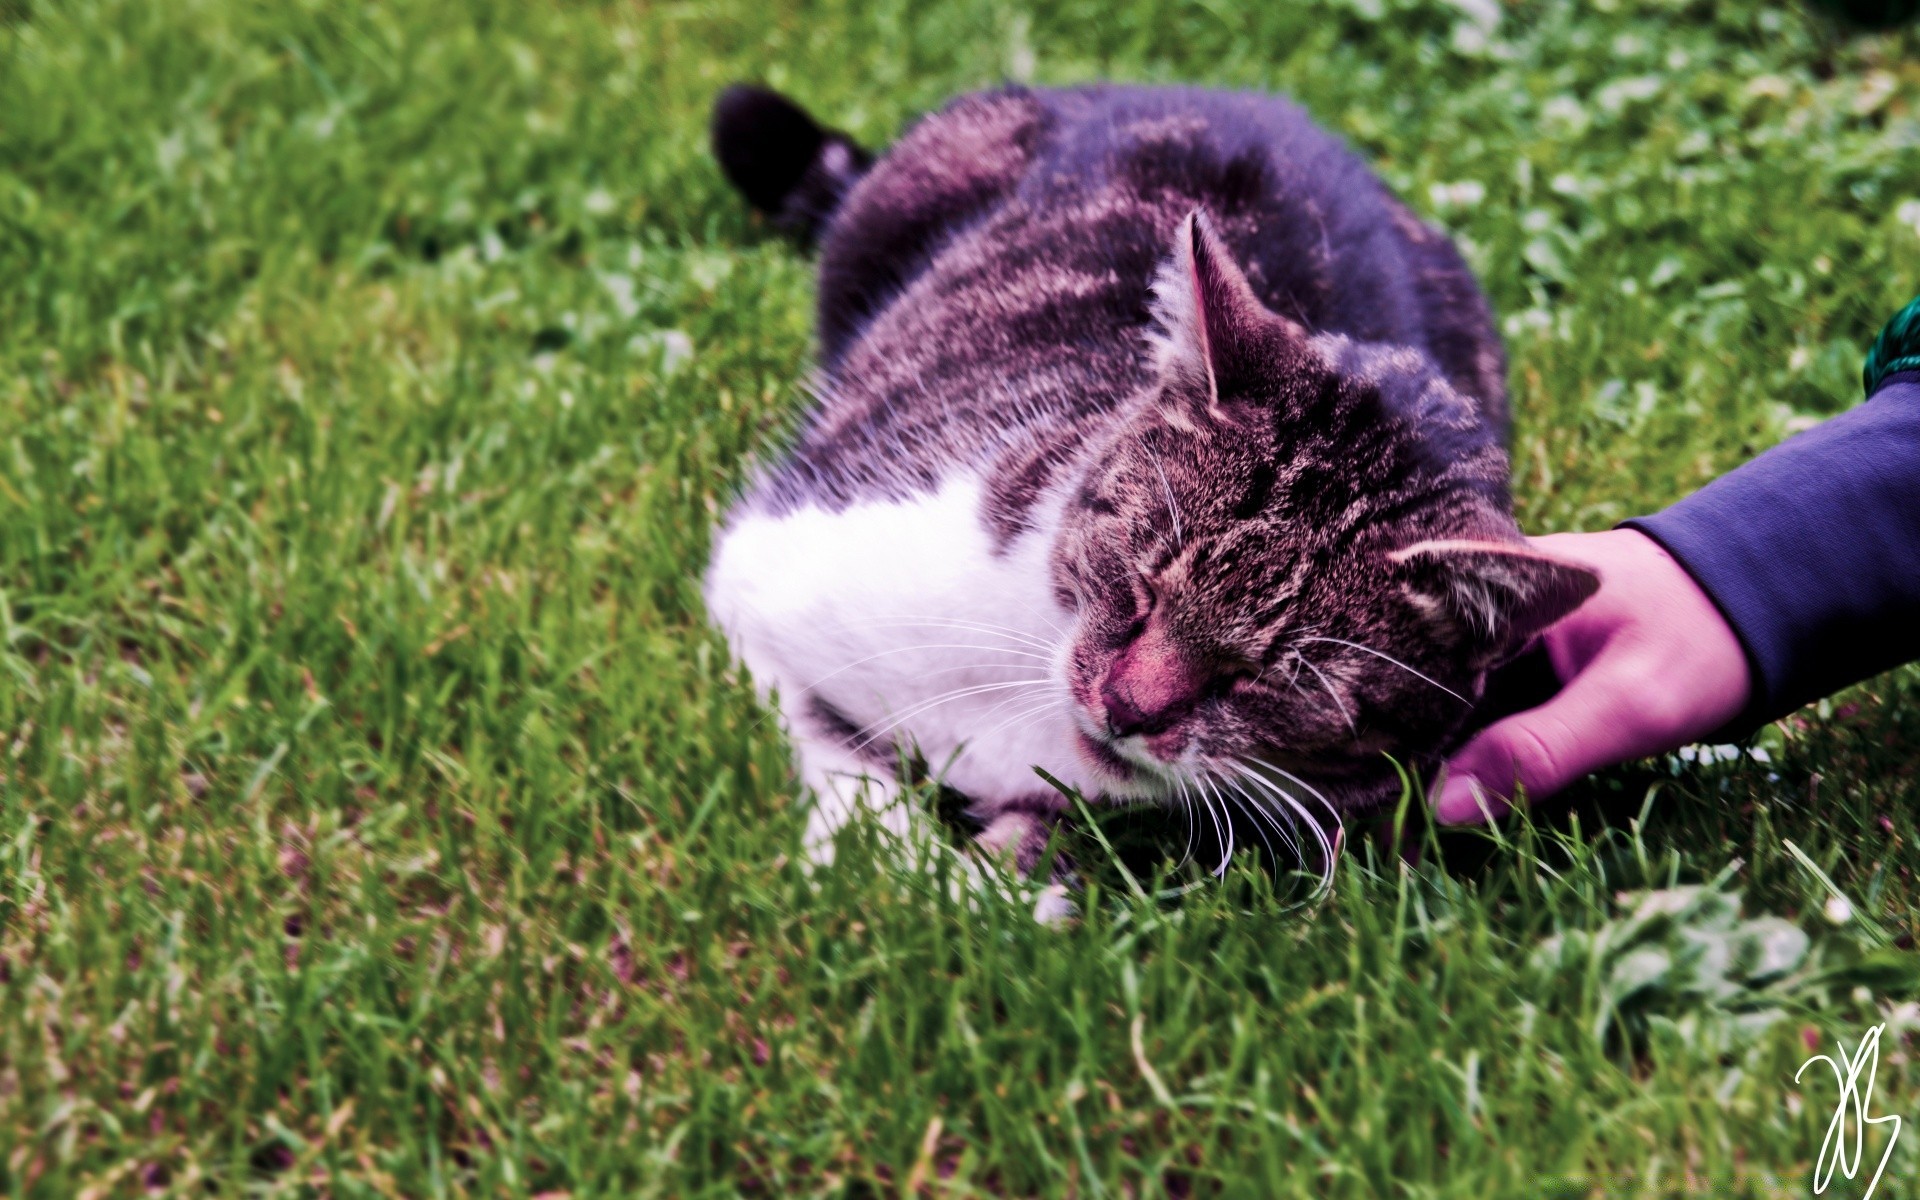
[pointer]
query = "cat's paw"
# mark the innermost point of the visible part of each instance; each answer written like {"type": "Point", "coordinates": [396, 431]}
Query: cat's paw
{"type": "Point", "coordinates": [1019, 839]}
{"type": "Point", "coordinates": [1055, 905]}
{"type": "Point", "coordinates": [839, 794]}
{"type": "Point", "coordinates": [1018, 836]}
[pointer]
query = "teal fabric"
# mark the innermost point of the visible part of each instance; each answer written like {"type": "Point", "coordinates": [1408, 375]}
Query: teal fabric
{"type": "Point", "coordinates": [1896, 349]}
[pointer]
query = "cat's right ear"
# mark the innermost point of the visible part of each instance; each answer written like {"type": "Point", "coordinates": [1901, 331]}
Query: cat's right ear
{"type": "Point", "coordinates": [1214, 337]}
{"type": "Point", "coordinates": [1504, 593]}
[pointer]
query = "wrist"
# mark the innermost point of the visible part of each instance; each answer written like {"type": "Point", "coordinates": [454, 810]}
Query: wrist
{"type": "Point", "coordinates": [1705, 671]}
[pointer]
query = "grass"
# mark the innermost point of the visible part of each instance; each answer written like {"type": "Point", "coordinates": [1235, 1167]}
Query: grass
{"type": "Point", "coordinates": [378, 816]}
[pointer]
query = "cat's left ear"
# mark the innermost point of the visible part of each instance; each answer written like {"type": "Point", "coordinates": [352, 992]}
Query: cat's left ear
{"type": "Point", "coordinates": [1214, 334]}
{"type": "Point", "coordinates": [1505, 592]}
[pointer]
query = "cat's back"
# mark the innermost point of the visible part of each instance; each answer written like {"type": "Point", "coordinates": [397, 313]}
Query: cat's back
{"type": "Point", "coordinates": [985, 287]}
{"type": "Point", "coordinates": [984, 299]}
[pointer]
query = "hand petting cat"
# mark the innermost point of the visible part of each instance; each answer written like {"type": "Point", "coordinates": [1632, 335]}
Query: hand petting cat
{"type": "Point", "coordinates": [1647, 664]}
{"type": "Point", "coordinates": [1782, 581]}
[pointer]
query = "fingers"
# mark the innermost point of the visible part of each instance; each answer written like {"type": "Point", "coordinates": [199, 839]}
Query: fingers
{"type": "Point", "coordinates": [1589, 725]}
{"type": "Point", "coordinates": [1650, 663]}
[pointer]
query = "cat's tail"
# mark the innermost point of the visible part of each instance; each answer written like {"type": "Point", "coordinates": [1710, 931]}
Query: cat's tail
{"type": "Point", "coordinates": [782, 160]}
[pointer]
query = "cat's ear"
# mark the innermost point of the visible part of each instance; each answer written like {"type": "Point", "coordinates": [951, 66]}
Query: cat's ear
{"type": "Point", "coordinates": [1214, 334]}
{"type": "Point", "coordinates": [1504, 592]}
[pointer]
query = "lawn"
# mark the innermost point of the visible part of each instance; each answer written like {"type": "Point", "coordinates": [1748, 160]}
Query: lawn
{"type": "Point", "coordinates": [379, 817]}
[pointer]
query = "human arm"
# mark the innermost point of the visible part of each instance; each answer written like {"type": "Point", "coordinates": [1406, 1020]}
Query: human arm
{"type": "Point", "coordinates": [1783, 580]}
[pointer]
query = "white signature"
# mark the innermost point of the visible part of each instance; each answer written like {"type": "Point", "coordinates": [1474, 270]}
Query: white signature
{"type": "Point", "coordinates": [1851, 1115]}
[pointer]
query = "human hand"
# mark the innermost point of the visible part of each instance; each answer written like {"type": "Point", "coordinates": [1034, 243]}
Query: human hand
{"type": "Point", "coordinates": [1647, 664]}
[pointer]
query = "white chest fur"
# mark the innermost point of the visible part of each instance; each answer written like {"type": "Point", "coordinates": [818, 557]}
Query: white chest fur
{"type": "Point", "coordinates": [902, 618]}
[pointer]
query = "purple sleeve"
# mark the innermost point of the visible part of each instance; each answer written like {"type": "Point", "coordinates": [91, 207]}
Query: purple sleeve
{"type": "Point", "coordinates": [1812, 552]}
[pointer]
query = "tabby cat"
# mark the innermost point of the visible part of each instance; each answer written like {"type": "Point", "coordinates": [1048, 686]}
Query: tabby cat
{"type": "Point", "coordinates": [1156, 445]}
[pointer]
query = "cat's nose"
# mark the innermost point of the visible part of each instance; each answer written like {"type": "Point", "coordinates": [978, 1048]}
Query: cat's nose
{"type": "Point", "coordinates": [1126, 715]}
{"type": "Point", "coordinates": [1149, 687]}
{"type": "Point", "coordinates": [1123, 717]}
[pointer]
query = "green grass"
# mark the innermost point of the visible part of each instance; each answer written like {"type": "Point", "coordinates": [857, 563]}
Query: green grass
{"type": "Point", "coordinates": [379, 817]}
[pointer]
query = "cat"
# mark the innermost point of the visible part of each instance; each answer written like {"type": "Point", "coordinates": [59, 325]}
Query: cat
{"type": "Point", "coordinates": [1155, 445]}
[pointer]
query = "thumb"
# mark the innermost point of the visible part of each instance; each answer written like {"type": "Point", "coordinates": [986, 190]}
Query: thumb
{"type": "Point", "coordinates": [1583, 728]}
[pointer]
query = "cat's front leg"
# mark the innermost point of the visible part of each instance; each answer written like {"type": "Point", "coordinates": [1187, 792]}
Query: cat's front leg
{"type": "Point", "coordinates": [1018, 833]}
{"type": "Point", "coordinates": [842, 784]}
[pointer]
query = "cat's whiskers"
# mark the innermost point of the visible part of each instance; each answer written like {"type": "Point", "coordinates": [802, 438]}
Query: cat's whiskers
{"type": "Point", "coordinates": [1206, 805]}
{"type": "Point", "coordinates": [982, 665]}
{"type": "Point", "coordinates": [1224, 823]}
{"type": "Point", "coordinates": [1396, 662]}
{"type": "Point", "coordinates": [873, 734]}
{"type": "Point", "coordinates": [1186, 811]}
{"type": "Point", "coordinates": [1043, 705]}
{"type": "Point", "coordinates": [1044, 619]}
{"type": "Point", "coordinates": [1226, 799]}
{"type": "Point", "coordinates": [1166, 489]}
{"type": "Point", "coordinates": [1171, 550]}
{"type": "Point", "coordinates": [1245, 803]}
{"type": "Point", "coordinates": [1261, 810]}
{"type": "Point", "coordinates": [1252, 771]}
{"type": "Point", "coordinates": [1255, 769]}
{"type": "Point", "coordinates": [1019, 637]}
{"type": "Point", "coordinates": [1331, 694]}
{"type": "Point", "coordinates": [1296, 814]}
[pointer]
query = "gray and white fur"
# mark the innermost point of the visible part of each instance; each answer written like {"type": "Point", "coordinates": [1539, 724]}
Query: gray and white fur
{"type": "Point", "coordinates": [1156, 445]}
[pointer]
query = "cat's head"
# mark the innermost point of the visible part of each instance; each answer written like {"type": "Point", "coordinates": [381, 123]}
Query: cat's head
{"type": "Point", "coordinates": [1297, 551]}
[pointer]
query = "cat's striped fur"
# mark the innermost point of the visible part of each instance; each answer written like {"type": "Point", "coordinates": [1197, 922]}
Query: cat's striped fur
{"type": "Point", "coordinates": [1151, 418]}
